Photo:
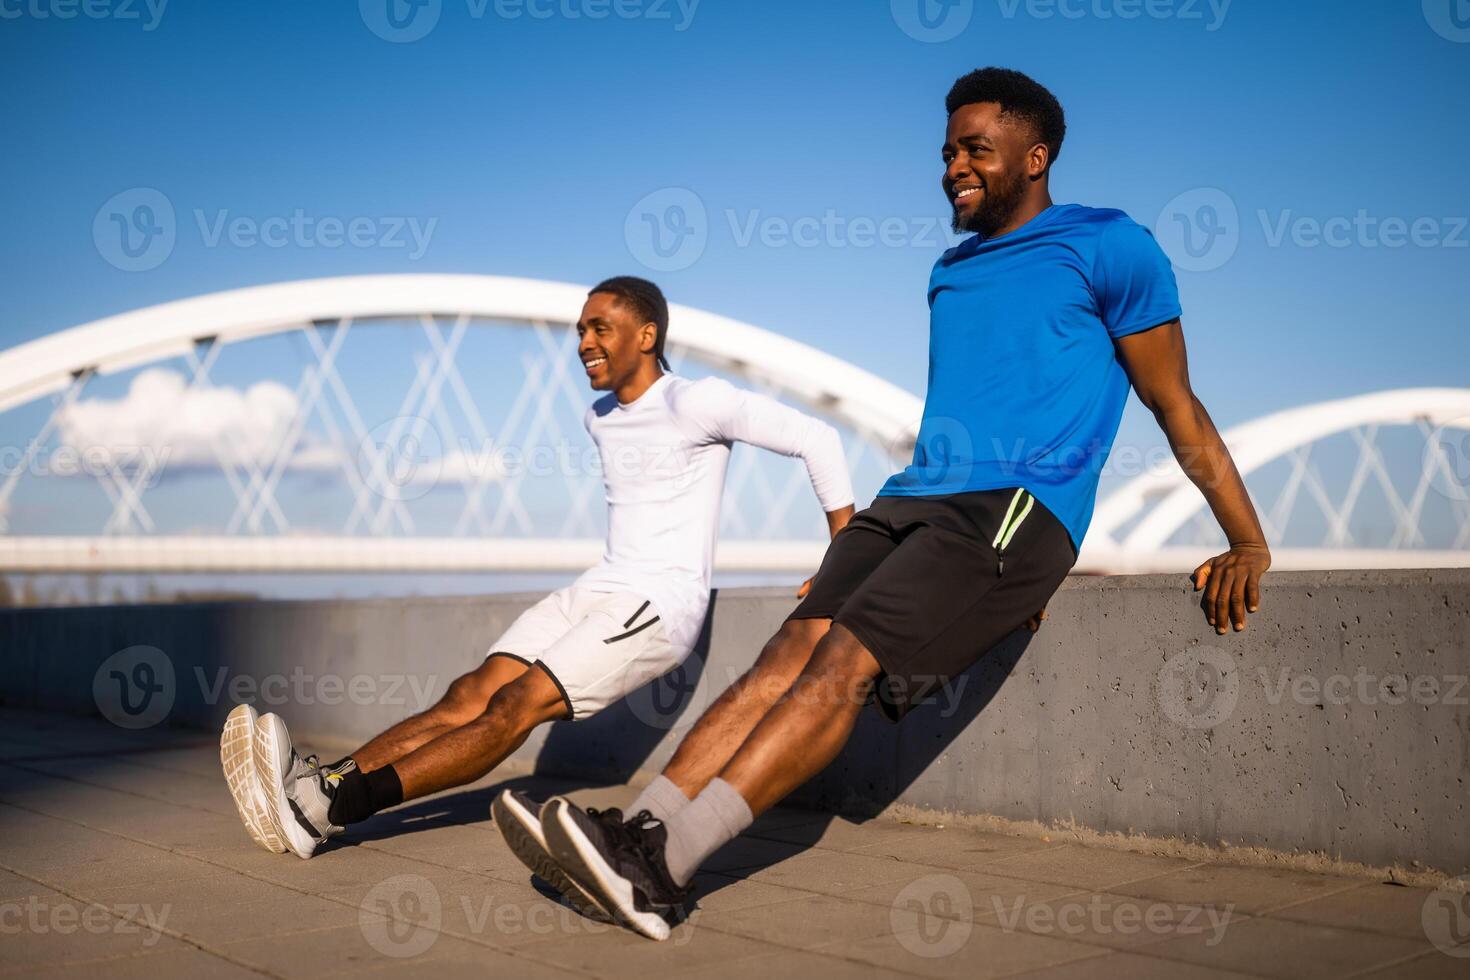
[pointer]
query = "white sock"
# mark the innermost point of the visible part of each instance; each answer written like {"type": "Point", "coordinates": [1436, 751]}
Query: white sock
{"type": "Point", "coordinates": [710, 821]}
{"type": "Point", "coordinates": [661, 798]}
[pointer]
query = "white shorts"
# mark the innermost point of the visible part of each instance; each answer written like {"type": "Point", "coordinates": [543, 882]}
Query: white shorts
{"type": "Point", "coordinates": [598, 647]}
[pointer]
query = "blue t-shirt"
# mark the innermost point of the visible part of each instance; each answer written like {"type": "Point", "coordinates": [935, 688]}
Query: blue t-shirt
{"type": "Point", "coordinates": [1025, 387]}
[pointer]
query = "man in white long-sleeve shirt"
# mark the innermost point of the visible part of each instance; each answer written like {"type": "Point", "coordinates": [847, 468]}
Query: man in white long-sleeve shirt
{"type": "Point", "coordinates": [664, 444]}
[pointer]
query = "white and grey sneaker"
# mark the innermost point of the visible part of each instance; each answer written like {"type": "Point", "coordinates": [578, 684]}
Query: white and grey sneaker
{"type": "Point", "coordinates": [237, 758]}
{"type": "Point", "coordinates": [298, 791]}
{"type": "Point", "coordinates": [519, 819]}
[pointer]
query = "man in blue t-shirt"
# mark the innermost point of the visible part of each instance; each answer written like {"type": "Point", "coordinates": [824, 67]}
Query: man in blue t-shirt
{"type": "Point", "coordinates": [1038, 326]}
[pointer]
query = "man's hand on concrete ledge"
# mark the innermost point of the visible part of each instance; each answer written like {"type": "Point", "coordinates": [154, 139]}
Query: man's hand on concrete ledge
{"type": "Point", "coordinates": [1034, 623]}
{"type": "Point", "coordinates": [1232, 584]}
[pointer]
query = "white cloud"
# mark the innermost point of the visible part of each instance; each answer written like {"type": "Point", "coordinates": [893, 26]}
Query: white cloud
{"type": "Point", "coordinates": [160, 418]}
{"type": "Point", "coordinates": [163, 424]}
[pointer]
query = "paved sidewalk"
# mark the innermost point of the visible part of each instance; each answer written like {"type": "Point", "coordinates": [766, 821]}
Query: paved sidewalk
{"type": "Point", "coordinates": [121, 856]}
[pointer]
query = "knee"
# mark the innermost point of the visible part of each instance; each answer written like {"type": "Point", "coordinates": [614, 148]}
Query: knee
{"type": "Point", "coordinates": [841, 670]}
{"type": "Point", "coordinates": [527, 701]}
{"type": "Point", "coordinates": [465, 700]}
{"type": "Point", "coordinates": [792, 645]}
{"type": "Point", "coordinates": [784, 656]}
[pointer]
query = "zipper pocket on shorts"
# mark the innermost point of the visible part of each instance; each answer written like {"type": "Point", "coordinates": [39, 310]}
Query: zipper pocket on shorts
{"type": "Point", "coordinates": [1021, 505]}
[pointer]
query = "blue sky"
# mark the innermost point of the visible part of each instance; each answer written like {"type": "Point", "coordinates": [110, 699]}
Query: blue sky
{"type": "Point", "coordinates": [520, 136]}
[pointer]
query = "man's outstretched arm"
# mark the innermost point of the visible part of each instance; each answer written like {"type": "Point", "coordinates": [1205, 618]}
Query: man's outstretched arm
{"type": "Point", "coordinates": [733, 414]}
{"type": "Point", "coordinates": [1158, 367]}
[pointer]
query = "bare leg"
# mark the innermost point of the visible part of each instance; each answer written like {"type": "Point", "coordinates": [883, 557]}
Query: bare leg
{"type": "Point", "coordinates": [465, 701]}
{"type": "Point", "coordinates": [718, 734]}
{"type": "Point", "coordinates": [464, 754]}
{"type": "Point", "coordinates": [803, 733]}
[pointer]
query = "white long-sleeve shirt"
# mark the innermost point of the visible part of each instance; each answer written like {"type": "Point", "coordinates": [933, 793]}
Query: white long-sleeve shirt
{"type": "Point", "coordinates": [664, 459]}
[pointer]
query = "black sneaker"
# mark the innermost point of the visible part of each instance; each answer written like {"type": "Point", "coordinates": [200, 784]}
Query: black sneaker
{"type": "Point", "coordinates": [519, 819]}
{"type": "Point", "coordinates": [621, 864]}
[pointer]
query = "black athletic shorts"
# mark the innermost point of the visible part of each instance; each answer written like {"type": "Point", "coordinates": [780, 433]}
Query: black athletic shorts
{"type": "Point", "coordinates": [930, 584]}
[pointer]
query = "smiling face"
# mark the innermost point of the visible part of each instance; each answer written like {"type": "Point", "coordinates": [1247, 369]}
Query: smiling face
{"type": "Point", "coordinates": [615, 343]}
{"type": "Point", "coordinates": [991, 163]}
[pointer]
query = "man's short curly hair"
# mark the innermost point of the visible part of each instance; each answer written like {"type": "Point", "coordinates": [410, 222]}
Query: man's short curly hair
{"type": "Point", "coordinates": [647, 301]}
{"type": "Point", "coordinates": [1018, 95]}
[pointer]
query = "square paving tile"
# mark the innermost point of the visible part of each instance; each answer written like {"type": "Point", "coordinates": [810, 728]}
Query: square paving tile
{"type": "Point", "coordinates": [956, 848]}
{"type": "Point", "coordinates": [807, 922]}
{"type": "Point", "coordinates": [176, 961]}
{"type": "Point", "coordinates": [1249, 891]}
{"type": "Point", "coordinates": [972, 953]}
{"type": "Point", "coordinates": [1289, 950]}
{"type": "Point", "coordinates": [1133, 967]}
{"type": "Point", "coordinates": [619, 953]}
{"type": "Point", "coordinates": [1094, 869]}
{"type": "Point", "coordinates": [1390, 909]}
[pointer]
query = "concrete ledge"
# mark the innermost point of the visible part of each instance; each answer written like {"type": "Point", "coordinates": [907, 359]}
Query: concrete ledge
{"type": "Point", "coordinates": [1339, 723]}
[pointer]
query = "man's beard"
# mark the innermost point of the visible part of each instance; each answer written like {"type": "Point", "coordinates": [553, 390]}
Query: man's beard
{"type": "Point", "coordinates": [996, 207]}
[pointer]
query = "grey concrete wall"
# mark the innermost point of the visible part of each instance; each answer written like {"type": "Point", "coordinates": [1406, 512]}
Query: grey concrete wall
{"type": "Point", "coordinates": [1338, 723]}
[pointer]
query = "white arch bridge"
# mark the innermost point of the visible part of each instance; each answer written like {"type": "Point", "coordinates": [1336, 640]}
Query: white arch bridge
{"type": "Point", "coordinates": [443, 446]}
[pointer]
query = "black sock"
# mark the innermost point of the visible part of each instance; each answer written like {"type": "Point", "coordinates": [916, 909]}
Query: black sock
{"type": "Point", "coordinates": [361, 794]}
